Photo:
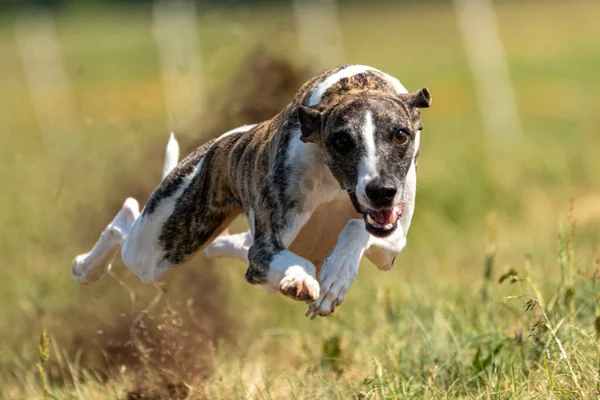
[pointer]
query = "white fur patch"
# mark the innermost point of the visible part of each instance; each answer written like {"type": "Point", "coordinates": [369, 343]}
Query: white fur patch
{"type": "Point", "coordinates": [243, 128]}
{"type": "Point", "coordinates": [394, 243]}
{"type": "Point", "coordinates": [289, 268]}
{"type": "Point", "coordinates": [284, 260]}
{"type": "Point", "coordinates": [91, 266]}
{"type": "Point", "coordinates": [318, 92]}
{"type": "Point", "coordinates": [395, 83]}
{"type": "Point", "coordinates": [171, 156]}
{"type": "Point", "coordinates": [235, 246]}
{"type": "Point", "coordinates": [417, 142]}
{"type": "Point", "coordinates": [367, 169]}
{"type": "Point", "coordinates": [382, 251]}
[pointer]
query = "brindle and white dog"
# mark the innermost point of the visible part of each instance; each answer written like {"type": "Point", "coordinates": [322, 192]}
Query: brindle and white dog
{"type": "Point", "coordinates": [328, 179]}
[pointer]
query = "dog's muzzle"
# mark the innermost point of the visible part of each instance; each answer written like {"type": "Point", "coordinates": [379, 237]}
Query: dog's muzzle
{"type": "Point", "coordinates": [381, 222]}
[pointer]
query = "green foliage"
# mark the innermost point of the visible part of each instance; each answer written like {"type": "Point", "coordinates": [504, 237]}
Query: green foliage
{"type": "Point", "coordinates": [331, 355]}
{"type": "Point", "coordinates": [511, 274]}
{"type": "Point", "coordinates": [44, 352]}
{"type": "Point", "coordinates": [480, 365]}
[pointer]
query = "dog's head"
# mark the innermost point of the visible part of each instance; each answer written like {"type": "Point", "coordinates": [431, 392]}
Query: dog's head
{"type": "Point", "coordinates": [369, 142]}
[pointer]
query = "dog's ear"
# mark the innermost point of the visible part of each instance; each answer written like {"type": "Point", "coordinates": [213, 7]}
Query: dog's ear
{"type": "Point", "coordinates": [310, 123]}
{"type": "Point", "coordinates": [419, 99]}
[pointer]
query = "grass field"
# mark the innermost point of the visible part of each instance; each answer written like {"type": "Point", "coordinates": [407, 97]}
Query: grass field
{"type": "Point", "coordinates": [439, 325]}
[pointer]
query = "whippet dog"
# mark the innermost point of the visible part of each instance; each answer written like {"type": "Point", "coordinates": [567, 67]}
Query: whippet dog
{"type": "Point", "coordinates": [328, 179]}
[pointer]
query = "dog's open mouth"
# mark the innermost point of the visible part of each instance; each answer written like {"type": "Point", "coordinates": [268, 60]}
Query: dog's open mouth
{"type": "Point", "coordinates": [380, 222]}
{"type": "Point", "coordinates": [384, 221]}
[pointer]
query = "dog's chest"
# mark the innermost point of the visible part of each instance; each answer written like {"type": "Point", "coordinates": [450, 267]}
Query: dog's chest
{"type": "Point", "coordinates": [320, 234]}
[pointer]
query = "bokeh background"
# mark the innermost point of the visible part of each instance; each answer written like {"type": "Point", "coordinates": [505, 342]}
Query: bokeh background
{"type": "Point", "coordinates": [509, 181]}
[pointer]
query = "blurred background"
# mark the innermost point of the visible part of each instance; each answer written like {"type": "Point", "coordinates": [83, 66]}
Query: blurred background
{"type": "Point", "coordinates": [509, 156]}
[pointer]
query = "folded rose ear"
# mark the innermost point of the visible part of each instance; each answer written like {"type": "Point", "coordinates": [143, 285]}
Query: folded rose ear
{"type": "Point", "coordinates": [419, 99]}
{"type": "Point", "coordinates": [310, 123]}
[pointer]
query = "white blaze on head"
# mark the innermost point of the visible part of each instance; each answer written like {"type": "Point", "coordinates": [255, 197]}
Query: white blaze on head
{"type": "Point", "coordinates": [367, 169]}
{"type": "Point", "coordinates": [317, 94]}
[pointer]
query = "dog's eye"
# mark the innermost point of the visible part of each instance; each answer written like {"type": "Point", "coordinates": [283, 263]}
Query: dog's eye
{"type": "Point", "coordinates": [401, 137]}
{"type": "Point", "coordinates": [342, 143]}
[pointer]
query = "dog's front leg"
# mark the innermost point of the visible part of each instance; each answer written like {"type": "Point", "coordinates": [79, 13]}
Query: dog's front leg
{"type": "Point", "coordinates": [272, 265]}
{"type": "Point", "coordinates": [340, 268]}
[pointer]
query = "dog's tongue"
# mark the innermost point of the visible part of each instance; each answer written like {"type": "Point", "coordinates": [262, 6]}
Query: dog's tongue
{"type": "Point", "coordinates": [388, 216]}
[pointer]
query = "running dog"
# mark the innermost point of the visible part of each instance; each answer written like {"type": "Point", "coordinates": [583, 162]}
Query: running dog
{"type": "Point", "coordinates": [328, 179]}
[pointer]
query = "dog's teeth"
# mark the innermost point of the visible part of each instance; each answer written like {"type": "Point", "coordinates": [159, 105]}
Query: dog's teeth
{"type": "Point", "coordinates": [371, 220]}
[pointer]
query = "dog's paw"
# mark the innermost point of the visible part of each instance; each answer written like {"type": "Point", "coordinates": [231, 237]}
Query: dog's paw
{"type": "Point", "coordinates": [84, 273]}
{"type": "Point", "coordinates": [299, 285]}
{"type": "Point", "coordinates": [90, 267]}
{"type": "Point", "coordinates": [336, 277]}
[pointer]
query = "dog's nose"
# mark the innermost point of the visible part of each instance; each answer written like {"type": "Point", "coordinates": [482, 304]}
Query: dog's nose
{"type": "Point", "coordinates": [381, 193]}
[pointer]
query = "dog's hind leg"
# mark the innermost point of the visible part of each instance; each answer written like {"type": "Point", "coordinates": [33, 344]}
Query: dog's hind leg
{"type": "Point", "coordinates": [189, 209]}
{"type": "Point", "coordinates": [230, 245]}
{"type": "Point", "coordinates": [91, 266]}
{"type": "Point", "coordinates": [157, 246]}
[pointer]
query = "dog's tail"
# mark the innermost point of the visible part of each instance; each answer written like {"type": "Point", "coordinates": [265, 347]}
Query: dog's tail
{"type": "Point", "coordinates": [171, 156]}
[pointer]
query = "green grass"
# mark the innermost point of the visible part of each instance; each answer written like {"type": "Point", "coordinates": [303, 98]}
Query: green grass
{"type": "Point", "coordinates": [422, 330]}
